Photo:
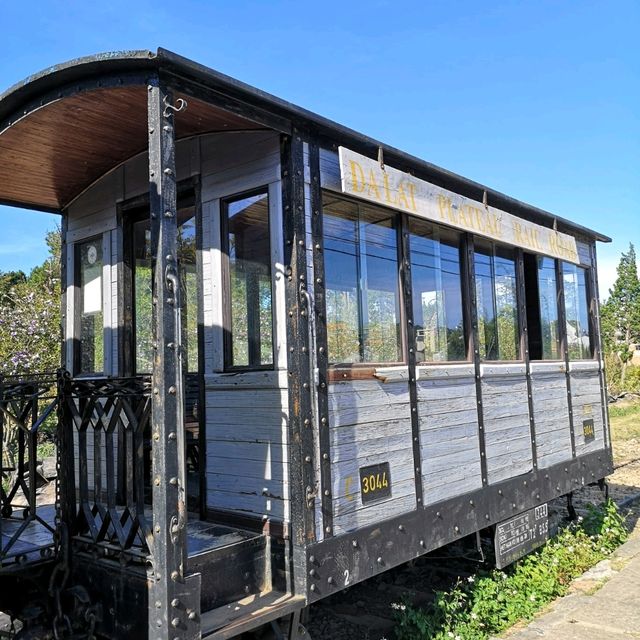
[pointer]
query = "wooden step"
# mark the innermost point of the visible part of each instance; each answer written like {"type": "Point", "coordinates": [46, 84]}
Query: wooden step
{"type": "Point", "coordinates": [247, 614]}
{"type": "Point", "coordinates": [232, 563]}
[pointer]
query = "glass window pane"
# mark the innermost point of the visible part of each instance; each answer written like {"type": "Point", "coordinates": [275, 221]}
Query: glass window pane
{"type": "Point", "coordinates": [188, 287]}
{"type": "Point", "coordinates": [487, 334]}
{"type": "Point", "coordinates": [576, 300]}
{"type": "Point", "coordinates": [506, 304]}
{"type": "Point", "coordinates": [340, 226]}
{"type": "Point", "coordinates": [251, 335]}
{"type": "Point", "coordinates": [436, 293]}
{"type": "Point", "coordinates": [91, 324]}
{"type": "Point", "coordinates": [362, 289]}
{"type": "Point", "coordinates": [142, 283]}
{"type": "Point", "coordinates": [380, 287]}
{"type": "Point", "coordinates": [496, 299]}
{"type": "Point", "coordinates": [548, 300]}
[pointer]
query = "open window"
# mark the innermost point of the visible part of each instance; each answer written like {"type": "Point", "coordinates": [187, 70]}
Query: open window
{"type": "Point", "coordinates": [541, 288]}
{"type": "Point", "coordinates": [248, 336]}
{"type": "Point", "coordinates": [362, 284]}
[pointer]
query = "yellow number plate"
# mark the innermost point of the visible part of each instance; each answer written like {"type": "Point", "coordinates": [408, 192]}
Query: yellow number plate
{"type": "Point", "coordinates": [375, 482]}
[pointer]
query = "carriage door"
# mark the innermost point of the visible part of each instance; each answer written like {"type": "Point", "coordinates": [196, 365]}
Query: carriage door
{"type": "Point", "coordinates": [137, 353]}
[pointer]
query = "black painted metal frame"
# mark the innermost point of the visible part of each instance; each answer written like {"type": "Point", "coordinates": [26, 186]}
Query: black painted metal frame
{"type": "Point", "coordinates": [404, 265]}
{"type": "Point", "coordinates": [524, 349]}
{"type": "Point", "coordinates": [564, 347]}
{"type": "Point", "coordinates": [469, 295]}
{"type": "Point", "coordinates": [171, 596]}
{"type": "Point", "coordinates": [27, 403]}
{"type": "Point", "coordinates": [321, 347]}
{"type": "Point", "coordinates": [376, 548]}
{"type": "Point", "coordinates": [302, 481]}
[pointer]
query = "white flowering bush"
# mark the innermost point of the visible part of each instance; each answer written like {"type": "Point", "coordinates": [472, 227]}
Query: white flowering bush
{"type": "Point", "coordinates": [490, 602]}
{"type": "Point", "coordinates": [30, 334]}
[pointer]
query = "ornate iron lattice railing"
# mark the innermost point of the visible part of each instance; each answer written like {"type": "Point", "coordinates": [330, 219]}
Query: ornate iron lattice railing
{"type": "Point", "coordinates": [107, 423]}
{"type": "Point", "coordinates": [26, 527]}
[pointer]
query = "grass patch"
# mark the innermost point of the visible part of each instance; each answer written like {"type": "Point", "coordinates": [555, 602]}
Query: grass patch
{"type": "Point", "coordinates": [493, 601]}
{"type": "Point", "coordinates": [46, 450]}
{"type": "Point", "coordinates": [625, 431]}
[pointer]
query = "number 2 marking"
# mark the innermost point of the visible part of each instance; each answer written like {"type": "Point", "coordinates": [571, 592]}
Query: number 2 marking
{"type": "Point", "coordinates": [346, 577]}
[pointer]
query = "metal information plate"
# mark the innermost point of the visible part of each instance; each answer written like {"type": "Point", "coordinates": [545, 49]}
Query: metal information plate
{"type": "Point", "coordinates": [375, 482]}
{"type": "Point", "coordinates": [520, 535]}
{"type": "Point", "coordinates": [588, 430]}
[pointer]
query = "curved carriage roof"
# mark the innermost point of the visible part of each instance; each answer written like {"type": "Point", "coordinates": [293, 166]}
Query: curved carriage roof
{"type": "Point", "coordinates": [65, 127]}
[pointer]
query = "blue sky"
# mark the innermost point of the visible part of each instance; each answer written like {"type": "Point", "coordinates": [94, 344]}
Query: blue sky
{"type": "Point", "coordinates": [538, 99]}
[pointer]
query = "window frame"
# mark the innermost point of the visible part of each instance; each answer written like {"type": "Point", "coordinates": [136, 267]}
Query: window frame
{"type": "Point", "coordinates": [77, 303]}
{"type": "Point", "coordinates": [521, 348]}
{"type": "Point", "coordinates": [227, 341]}
{"type": "Point", "coordinates": [465, 287]}
{"type": "Point", "coordinates": [129, 212]}
{"type": "Point", "coordinates": [591, 321]}
{"type": "Point", "coordinates": [346, 370]}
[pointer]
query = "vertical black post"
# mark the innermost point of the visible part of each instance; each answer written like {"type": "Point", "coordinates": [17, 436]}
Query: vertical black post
{"type": "Point", "coordinates": [473, 347]}
{"type": "Point", "coordinates": [564, 347]}
{"type": "Point", "coordinates": [169, 615]}
{"type": "Point", "coordinates": [300, 383]}
{"type": "Point", "coordinates": [65, 455]}
{"type": "Point", "coordinates": [404, 261]}
{"type": "Point", "coordinates": [321, 346]}
{"type": "Point", "coordinates": [524, 348]}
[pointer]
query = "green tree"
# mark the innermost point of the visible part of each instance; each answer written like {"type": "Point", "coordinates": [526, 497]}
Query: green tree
{"type": "Point", "coordinates": [30, 335]}
{"type": "Point", "coordinates": [620, 314]}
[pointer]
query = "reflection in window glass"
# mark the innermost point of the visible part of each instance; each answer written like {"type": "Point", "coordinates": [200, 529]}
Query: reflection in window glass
{"type": "Point", "coordinates": [187, 270]}
{"type": "Point", "coordinates": [362, 292]}
{"type": "Point", "coordinates": [436, 293]}
{"type": "Point", "coordinates": [548, 300]}
{"type": "Point", "coordinates": [496, 301]}
{"type": "Point", "coordinates": [143, 290]}
{"type": "Point", "coordinates": [576, 302]}
{"type": "Point", "coordinates": [91, 329]}
{"type": "Point", "coordinates": [250, 343]}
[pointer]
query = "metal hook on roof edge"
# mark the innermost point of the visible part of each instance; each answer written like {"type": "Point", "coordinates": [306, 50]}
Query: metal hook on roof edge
{"type": "Point", "coordinates": [168, 107]}
{"type": "Point", "coordinates": [484, 199]}
{"type": "Point", "coordinates": [381, 157]}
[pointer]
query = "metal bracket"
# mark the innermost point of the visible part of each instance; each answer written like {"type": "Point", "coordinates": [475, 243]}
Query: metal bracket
{"type": "Point", "coordinates": [168, 107]}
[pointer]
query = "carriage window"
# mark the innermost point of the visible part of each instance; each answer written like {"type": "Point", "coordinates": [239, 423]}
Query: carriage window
{"type": "Point", "coordinates": [90, 345]}
{"type": "Point", "coordinates": [249, 336]}
{"type": "Point", "coordinates": [362, 291]}
{"type": "Point", "coordinates": [542, 307]}
{"type": "Point", "coordinates": [437, 293]}
{"type": "Point", "coordinates": [576, 301]}
{"type": "Point", "coordinates": [548, 300]}
{"type": "Point", "coordinates": [496, 299]}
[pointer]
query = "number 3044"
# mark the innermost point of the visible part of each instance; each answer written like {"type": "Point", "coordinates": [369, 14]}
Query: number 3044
{"type": "Point", "coordinates": [374, 482]}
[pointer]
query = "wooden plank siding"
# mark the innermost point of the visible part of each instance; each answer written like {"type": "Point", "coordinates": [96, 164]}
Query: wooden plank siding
{"type": "Point", "coordinates": [449, 442]}
{"type": "Point", "coordinates": [586, 401]}
{"type": "Point", "coordinates": [247, 412]}
{"type": "Point", "coordinates": [506, 421]}
{"type": "Point", "coordinates": [550, 412]}
{"type": "Point", "coordinates": [370, 423]}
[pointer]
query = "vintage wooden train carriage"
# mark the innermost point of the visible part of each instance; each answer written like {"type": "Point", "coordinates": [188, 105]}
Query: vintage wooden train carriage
{"type": "Point", "coordinates": [294, 357]}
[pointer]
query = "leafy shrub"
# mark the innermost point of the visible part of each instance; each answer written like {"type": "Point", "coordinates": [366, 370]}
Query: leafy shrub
{"type": "Point", "coordinates": [493, 601]}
